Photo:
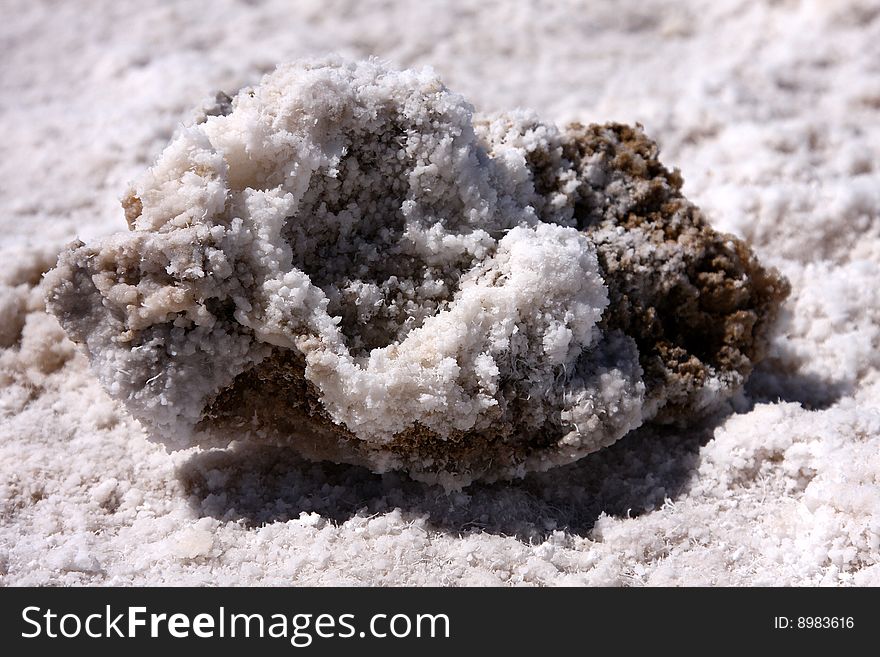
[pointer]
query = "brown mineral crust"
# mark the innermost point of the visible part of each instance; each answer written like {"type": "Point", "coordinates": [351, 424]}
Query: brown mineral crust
{"type": "Point", "coordinates": [696, 301]}
{"type": "Point", "coordinates": [132, 207]}
{"type": "Point", "coordinates": [275, 398]}
{"type": "Point", "coordinates": [282, 406]}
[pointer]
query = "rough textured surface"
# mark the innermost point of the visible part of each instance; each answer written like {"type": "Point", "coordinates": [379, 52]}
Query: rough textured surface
{"type": "Point", "coordinates": [431, 296]}
{"type": "Point", "coordinates": [770, 110]}
{"type": "Point", "coordinates": [696, 302]}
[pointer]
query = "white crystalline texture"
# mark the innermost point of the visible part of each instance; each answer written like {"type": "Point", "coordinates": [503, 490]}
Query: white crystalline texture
{"type": "Point", "coordinates": [344, 260]}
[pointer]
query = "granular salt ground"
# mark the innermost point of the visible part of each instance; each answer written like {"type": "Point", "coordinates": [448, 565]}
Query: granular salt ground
{"type": "Point", "coordinates": [770, 110]}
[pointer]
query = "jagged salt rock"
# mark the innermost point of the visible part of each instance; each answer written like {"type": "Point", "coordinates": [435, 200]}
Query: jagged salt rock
{"type": "Point", "coordinates": [344, 259]}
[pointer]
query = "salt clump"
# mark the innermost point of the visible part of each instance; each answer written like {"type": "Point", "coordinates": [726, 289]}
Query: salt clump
{"type": "Point", "coordinates": [344, 259]}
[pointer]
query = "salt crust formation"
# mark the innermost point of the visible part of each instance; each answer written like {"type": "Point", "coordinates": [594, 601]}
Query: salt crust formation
{"type": "Point", "coordinates": [346, 260]}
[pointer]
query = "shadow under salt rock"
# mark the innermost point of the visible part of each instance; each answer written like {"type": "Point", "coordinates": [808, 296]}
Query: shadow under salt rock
{"type": "Point", "coordinates": [812, 392]}
{"type": "Point", "coordinates": [259, 484]}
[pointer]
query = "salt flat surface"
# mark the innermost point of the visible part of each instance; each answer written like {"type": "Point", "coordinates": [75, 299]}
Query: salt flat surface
{"type": "Point", "coordinates": [770, 109]}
